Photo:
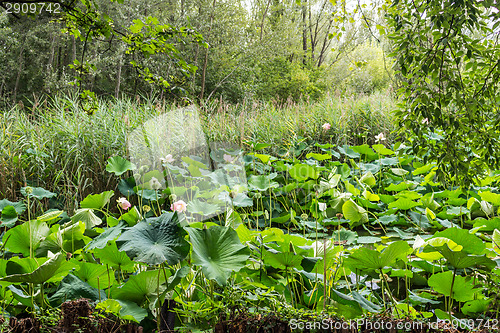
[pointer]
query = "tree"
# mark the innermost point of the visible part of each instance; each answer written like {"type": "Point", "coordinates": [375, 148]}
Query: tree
{"type": "Point", "coordinates": [447, 56]}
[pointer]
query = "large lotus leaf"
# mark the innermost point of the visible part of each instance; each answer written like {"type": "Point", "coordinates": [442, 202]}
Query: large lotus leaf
{"type": "Point", "coordinates": [201, 207]}
{"type": "Point", "coordinates": [403, 204]}
{"type": "Point", "coordinates": [87, 216]}
{"type": "Point", "coordinates": [18, 239]}
{"type": "Point", "coordinates": [125, 310]}
{"type": "Point", "coordinates": [156, 240]}
{"type": "Point", "coordinates": [20, 207]}
{"type": "Point", "coordinates": [50, 215]}
{"type": "Point", "coordinates": [460, 259]}
{"type": "Point", "coordinates": [109, 255]}
{"type": "Point", "coordinates": [429, 247]}
{"type": "Point", "coordinates": [118, 165]}
{"type": "Point", "coordinates": [72, 287]}
{"type": "Point", "coordinates": [476, 306]}
{"type": "Point", "coordinates": [97, 201]}
{"type": "Point", "coordinates": [282, 260]}
{"type": "Point", "coordinates": [69, 239]}
{"type": "Point", "coordinates": [140, 287]}
{"type": "Point", "coordinates": [490, 197]}
{"type": "Point", "coordinates": [367, 259]}
{"type": "Point", "coordinates": [463, 288]}
{"type": "Point", "coordinates": [354, 213]}
{"type": "Point", "coordinates": [17, 265]}
{"type": "Point", "coordinates": [109, 235]}
{"type": "Point", "coordinates": [302, 172]}
{"type": "Point", "coordinates": [40, 275]}
{"type": "Point", "coordinates": [131, 217]}
{"type": "Point", "coordinates": [97, 276]}
{"type": "Point", "coordinates": [8, 217]}
{"type": "Point", "coordinates": [470, 243]}
{"type": "Point", "coordinates": [368, 179]}
{"type": "Point", "coordinates": [261, 182]}
{"type": "Point", "coordinates": [346, 305]}
{"type": "Point", "coordinates": [218, 251]}
{"type": "Point", "coordinates": [38, 193]}
{"type": "Point", "coordinates": [496, 238]}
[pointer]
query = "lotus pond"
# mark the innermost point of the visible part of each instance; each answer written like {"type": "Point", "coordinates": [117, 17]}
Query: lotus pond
{"type": "Point", "coordinates": [343, 233]}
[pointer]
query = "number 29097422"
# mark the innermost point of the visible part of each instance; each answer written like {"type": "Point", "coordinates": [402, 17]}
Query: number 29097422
{"type": "Point", "coordinates": [32, 8]}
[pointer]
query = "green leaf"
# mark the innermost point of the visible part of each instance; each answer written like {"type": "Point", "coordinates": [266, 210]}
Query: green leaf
{"type": "Point", "coordinates": [72, 287]}
{"type": "Point", "coordinates": [366, 304]}
{"type": "Point", "coordinates": [368, 179]}
{"type": "Point", "coordinates": [38, 193]}
{"type": "Point", "coordinates": [470, 243]}
{"type": "Point", "coordinates": [403, 204]}
{"type": "Point", "coordinates": [18, 239]}
{"type": "Point", "coordinates": [476, 306]}
{"type": "Point", "coordinates": [50, 216]}
{"type": "Point", "coordinates": [319, 157]}
{"type": "Point", "coordinates": [204, 208]}
{"type": "Point", "coordinates": [302, 172]}
{"type": "Point", "coordinates": [97, 201]}
{"type": "Point", "coordinates": [382, 150]}
{"type": "Point", "coordinates": [218, 251]}
{"type": "Point", "coordinates": [40, 275]}
{"type": "Point", "coordinates": [367, 259]}
{"type": "Point", "coordinates": [354, 213]}
{"type": "Point", "coordinates": [118, 260]}
{"type": "Point", "coordinates": [9, 217]}
{"type": "Point", "coordinates": [156, 240]}
{"type": "Point", "coordinates": [87, 216]}
{"type": "Point", "coordinates": [463, 288]}
{"type": "Point", "coordinates": [261, 183]}
{"type": "Point", "coordinates": [282, 259]}
{"type": "Point", "coordinates": [95, 275]}
{"type": "Point", "coordinates": [20, 207]}
{"type": "Point", "coordinates": [118, 165]}
{"type": "Point", "coordinates": [109, 235]}
{"type": "Point", "coordinates": [140, 287]}
{"type": "Point", "coordinates": [490, 197]}
{"type": "Point", "coordinates": [125, 310]}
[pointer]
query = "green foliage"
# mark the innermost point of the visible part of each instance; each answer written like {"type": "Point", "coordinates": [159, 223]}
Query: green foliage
{"type": "Point", "coordinates": [448, 64]}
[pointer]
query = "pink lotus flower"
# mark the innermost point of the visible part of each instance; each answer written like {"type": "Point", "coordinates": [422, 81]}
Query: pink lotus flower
{"type": "Point", "coordinates": [228, 158]}
{"type": "Point", "coordinates": [179, 206]}
{"type": "Point", "coordinates": [167, 159]}
{"type": "Point", "coordinates": [380, 137]}
{"type": "Point", "coordinates": [123, 203]}
{"type": "Point", "coordinates": [326, 126]}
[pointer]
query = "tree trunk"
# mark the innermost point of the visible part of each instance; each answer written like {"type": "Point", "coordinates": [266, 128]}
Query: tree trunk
{"type": "Point", "coordinates": [263, 19]}
{"type": "Point", "coordinates": [205, 62]}
{"type": "Point", "coordinates": [304, 32]}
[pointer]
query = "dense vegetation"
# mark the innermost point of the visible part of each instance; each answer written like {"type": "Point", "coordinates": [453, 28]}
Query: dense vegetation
{"type": "Point", "coordinates": [258, 166]}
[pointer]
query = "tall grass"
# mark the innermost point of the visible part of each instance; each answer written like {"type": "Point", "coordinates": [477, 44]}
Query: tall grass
{"type": "Point", "coordinates": [58, 146]}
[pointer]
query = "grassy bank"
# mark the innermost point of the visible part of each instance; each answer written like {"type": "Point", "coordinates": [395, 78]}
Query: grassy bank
{"type": "Point", "coordinates": [58, 146]}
